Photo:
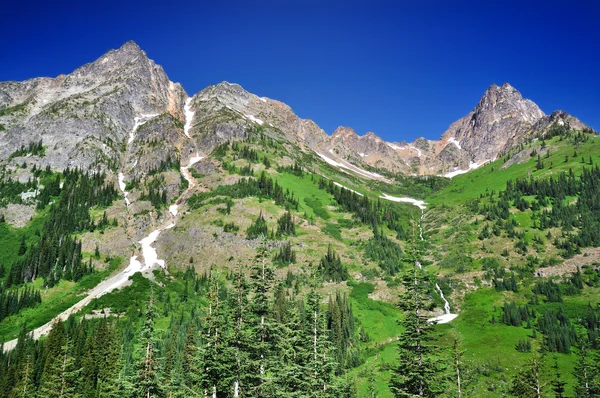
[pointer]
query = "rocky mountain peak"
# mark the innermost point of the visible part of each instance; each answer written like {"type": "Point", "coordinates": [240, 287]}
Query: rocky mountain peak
{"type": "Point", "coordinates": [495, 95]}
{"type": "Point", "coordinates": [344, 132]}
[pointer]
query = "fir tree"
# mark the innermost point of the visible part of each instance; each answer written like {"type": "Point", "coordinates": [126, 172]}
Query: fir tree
{"type": "Point", "coordinates": [148, 384]}
{"type": "Point", "coordinates": [417, 372]}
{"type": "Point", "coordinates": [530, 381]}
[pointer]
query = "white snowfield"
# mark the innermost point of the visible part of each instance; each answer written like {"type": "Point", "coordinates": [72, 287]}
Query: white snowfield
{"type": "Point", "coordinates": [419, 203]}
{"type": "Point", "coordinates": [351, 190]}
{"type": "Point", "coordinates": [186, 173]}
{"type": "Point", "coordinates": [472, 166]}
{"type": "Point", "coordinates": [255, 119]}
{"type": "Point", "coordinates": [137, 122]}
{"type": "Point", "coordinates": [349, 166]}
{"type": "Point", "coordinates": [189, 116]}
{"type": "Point", "coordinates": [122, 186]}
{"type": "Point", "coordinates": [396, 147]}
{"type": "Point", "coordinates": [419, 153]}
{"type": "Point", "coordinates": [455, 142]}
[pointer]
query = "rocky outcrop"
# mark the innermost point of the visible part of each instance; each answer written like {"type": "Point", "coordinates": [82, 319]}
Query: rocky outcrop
{"type": "Point", "coordinates": [84, 118]}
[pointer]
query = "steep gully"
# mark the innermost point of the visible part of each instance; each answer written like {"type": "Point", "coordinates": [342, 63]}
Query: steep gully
{"type": "Point", "coordinates": [150, 257]}
{"type": "Point", "coordinates": [447, 316]}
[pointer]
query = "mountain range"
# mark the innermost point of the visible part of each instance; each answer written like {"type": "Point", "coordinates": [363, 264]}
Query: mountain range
{"type": "Point", "coordinates": [161, 244]}
{"type": "Point", "coordinates": [97, 117]}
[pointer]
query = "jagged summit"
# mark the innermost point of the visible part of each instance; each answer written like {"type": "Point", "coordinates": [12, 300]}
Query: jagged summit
{"type": "Point", "coordinates": [103, 101]}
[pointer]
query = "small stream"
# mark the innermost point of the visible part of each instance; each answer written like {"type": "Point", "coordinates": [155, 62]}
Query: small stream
{"type": "Point", "coordinates": [447, 316]}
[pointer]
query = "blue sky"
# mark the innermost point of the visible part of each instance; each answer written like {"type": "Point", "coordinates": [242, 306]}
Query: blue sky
{"type": "Point", "coordinates": [402, 69]}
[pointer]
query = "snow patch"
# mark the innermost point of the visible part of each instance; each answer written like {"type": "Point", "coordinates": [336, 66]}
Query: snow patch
{"type": "Point", "coordinates": [362, 155]}
{"type": "Point", "coordinates": [419, 153]}
{"type": "Point", "coordinates": [255, 119]}
{"type": "Point", "coordinates": [351, 167]}
{"type": "Point", "coordinates": [149, 253]}
{"type": "Point", "coordinates": [455, 142]}
{"type": "Point", "coordinates": [189, 116]}
{"type": "Point", "coordinates": [343, 187]}
{"type": "Point", "coordinates": [396, 147]}
{"type": "Point", "coordinates": [263, 99]}
{"type": "Point", "coordinates": [173, 209]}
{"type": "Point", "coordinates": [419, 203]}
{"type": "Point", "coordinates": [186, 173]}
{"type": "Point", "coordinates": [472, 166]}
{"type": "Point", "coordinates": [122, 186]}
{"type": "Point", "coordinates": [138, 121]}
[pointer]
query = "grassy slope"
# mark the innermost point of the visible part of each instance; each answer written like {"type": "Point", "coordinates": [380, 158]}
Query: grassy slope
{"type": "Point", "coordinates": [487, 345]}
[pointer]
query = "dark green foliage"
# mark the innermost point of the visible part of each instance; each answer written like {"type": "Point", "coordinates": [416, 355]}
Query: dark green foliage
{"type": "Point", "coordinates": [285, 255]}
{"type": "Point", "coordinates": [263, 187]}
{"type": "Point", "coordinates": [369, 212]}
{"type": "Point", "coordinates": [530, 382]}
{"type": "Point", "coordinates": [523, 346]}
{"type": "Point", "coordinates": [147, 383]}
{"type": "Point", "coordinates": [230, 227]}
{"type": "Point", "coordinates": [342, 330]}
{"type": "Point", "coordinates": [286, 225]}
{"type": "Point", "coordinates": [549, 289]}
{"type": "Point", "coordinates": [156, 194]}
{"type": "Point", "coordinates": [558, 332]}
{"type": "Point", "coordinates": [165, 165]}
{"type": "Point", "coordinates": [514, 315]}
{"type": "Point", "coordinates": [258, 228]}
{"type": "Point", "coordinates": [331, 267]}
{"type": "Point", "coordinates": [296, 170]}
{"type": "Point", "coordinates": [33, 149]}
{"type": "Point", "coordinates": [12, 301]}
{"type": "Point", "coordinates": [583, 215]}
{"type": "Point", "coordinates": [57, 254]}
{"type": "Point", "coordinates": [418, 372]}
{"type": "Point", "coordinates": [385, 251]}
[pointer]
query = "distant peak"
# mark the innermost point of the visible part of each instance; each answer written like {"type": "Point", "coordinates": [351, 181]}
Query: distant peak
{"type": "Point", "coordinates": [496, 94]}
{"type": "Point", "coordinates": [343, 131]}
{"type": "Point", "coordinates": [130, 45]}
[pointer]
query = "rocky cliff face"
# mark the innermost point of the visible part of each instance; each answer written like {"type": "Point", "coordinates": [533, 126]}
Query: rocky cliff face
{"type": "Point", "coordinates": [501, 116]}
{"type": "Point", "coordinates": [111, 113]}
{"type": "Point", "coordinates": [85, 118]}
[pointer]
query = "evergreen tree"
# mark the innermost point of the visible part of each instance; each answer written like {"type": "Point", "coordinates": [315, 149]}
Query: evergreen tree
{"type": "Point", "coordinates": [530, 381]}
{"type": "Point", "coordinates": [148, 384]}
{"type": "Point", "coordinates": [417, 372]}
{"type": "Point", "coordinates": [586, 372]}
{"type": "Point", "coordinates": [558, 384]}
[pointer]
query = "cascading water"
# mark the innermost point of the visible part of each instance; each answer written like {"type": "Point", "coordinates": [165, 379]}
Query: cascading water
{"type": "Point", "coordinates": [448, 316]}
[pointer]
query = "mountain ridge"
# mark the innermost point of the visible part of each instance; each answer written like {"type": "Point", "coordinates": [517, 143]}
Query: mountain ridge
{"type": "Point", "coordinates": [126, 78]}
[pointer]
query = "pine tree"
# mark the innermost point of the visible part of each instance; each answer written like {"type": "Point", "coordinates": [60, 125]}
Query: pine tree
{"type": "Point", "coordinates": [558, 384]}
{"type": "Point", "coordinates": [586, 372]}
{"type": "Point", "coordinates": [148, 384]}
{"type": "Point", "coordinates": [215, 358]}
{"type": "Point", "coordinates": [530, 381]}
{"type": "Point", "coordinates": [261, 283]}
{"type": "Point", "coordinates": [417, 372]}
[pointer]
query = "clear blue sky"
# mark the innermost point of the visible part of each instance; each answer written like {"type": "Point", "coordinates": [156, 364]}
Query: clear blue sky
{"type": "Point", "coordinates": [401, 69]}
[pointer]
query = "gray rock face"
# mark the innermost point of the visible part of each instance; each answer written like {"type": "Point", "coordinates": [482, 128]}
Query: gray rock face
{"type": "Point", "coordinates": [84, 118]}
{"type": "Point", "coordinates": [110, 113]}
{"type": "Point", "coordinates": [501, 116]}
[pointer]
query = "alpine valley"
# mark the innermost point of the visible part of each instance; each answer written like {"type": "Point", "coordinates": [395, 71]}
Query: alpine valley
{"type": "Point", "coordinates": [156, 244]}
